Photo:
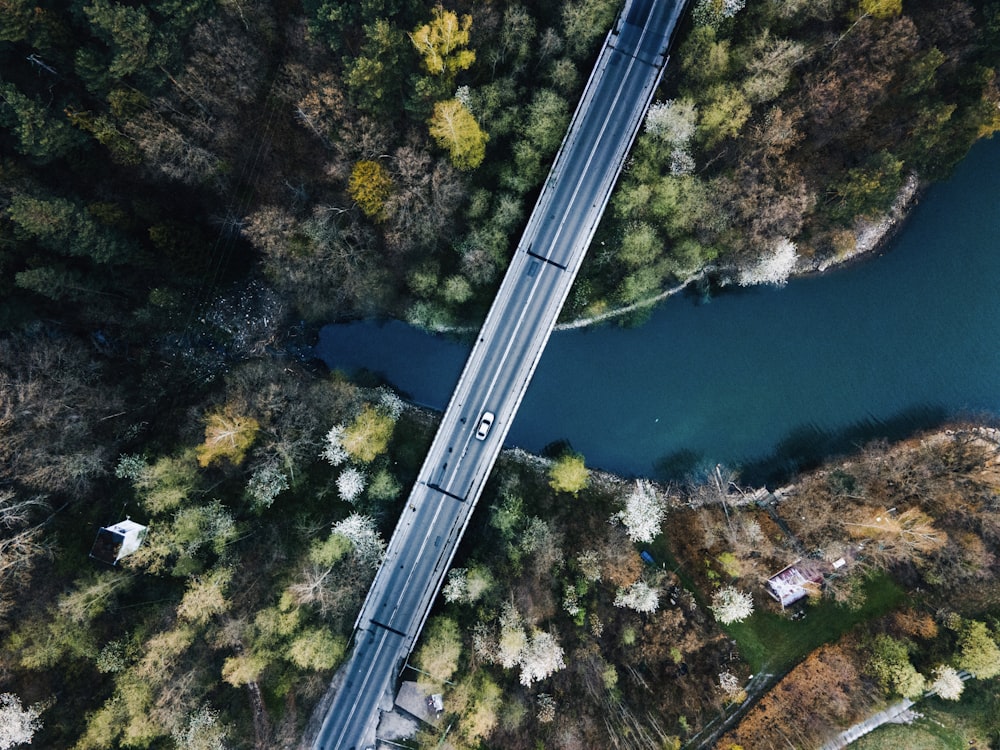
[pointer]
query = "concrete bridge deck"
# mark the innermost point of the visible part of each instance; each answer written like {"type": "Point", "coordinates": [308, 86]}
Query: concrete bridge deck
{"type": "Point", "coordinates": [500, 366]}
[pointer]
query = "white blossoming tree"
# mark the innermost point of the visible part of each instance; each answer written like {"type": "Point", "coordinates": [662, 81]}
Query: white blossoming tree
{"type": "Point", "coordinates": [714, 12]}
{"type": "Point", "coordinates": [17, 724]}
{"type": "Point", "coordinates": [947, 683]}
{"type": "Point", "coordinates": [537, 652]}
{"type": "Point", "coordinates": [571, 601]}
{"type": "Point", "coordinates": [546, 708]}
{"type": "Point", "coordinates": [681, 161]}
{"type": "Point", "coordinates": [456, 588]}
{"type": "Point", "coordinates": [643, 513]}
{"type": "Point", "coordinates": [731, 687]}
{"type": "Point", "coordinates": [640, 597]}
{"type": "Point", "coordinates": [771, 268]}
{"type": "Point", "coordinates": [264, 485]}
{"type": "Point", "coordinates": [390, 401]}
{"type": "Point", "coordinates": [541, 657]}
{"type": "Point", "coordinates": [729, 605]}
{"type": "Point", "coordinates": [202, 732]}
{"type": "Point", "coordinates": [360, 531]}
{"type": "Point", "coordinates": [513, 638]}
{"type": "Point", "coordinates": [590, 565]}
{"type": "Point", "coordinates": [350, 484]}
{"type": "Point", "coordinates": [333, 446]}
{"type": "Point", "coordinates": [673, 121]}
{"type": "Point", "coordinates": [467, 585]}
{"type": "Point", "coordinates": [131, 466]}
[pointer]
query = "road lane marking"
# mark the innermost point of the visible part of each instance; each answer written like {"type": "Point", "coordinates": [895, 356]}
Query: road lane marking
{"type": "Point", "coordinates": [358, 694]}
{"type": "Point", "coordinates": [478, 359]}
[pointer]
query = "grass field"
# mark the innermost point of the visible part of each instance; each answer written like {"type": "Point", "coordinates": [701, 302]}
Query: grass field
{"type": "Point", "coordinates": [971, 723]}
{"type": "Point", "coordinates": [776, 642]}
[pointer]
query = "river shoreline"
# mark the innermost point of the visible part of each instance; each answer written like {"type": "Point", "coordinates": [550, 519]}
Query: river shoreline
{"type": "Point", "coordinates": [871, 236]}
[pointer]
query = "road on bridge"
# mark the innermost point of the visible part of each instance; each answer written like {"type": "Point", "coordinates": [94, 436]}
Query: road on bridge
{"type": "Point", "coordinates": [500, 366]}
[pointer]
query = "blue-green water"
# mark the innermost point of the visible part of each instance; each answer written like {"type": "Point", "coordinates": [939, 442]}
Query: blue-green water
{"type": "Point", "coordinates": [766, 378]}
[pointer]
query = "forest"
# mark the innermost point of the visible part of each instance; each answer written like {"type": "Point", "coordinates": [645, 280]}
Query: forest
{"type": "Point", "coordinates": [189, 188]}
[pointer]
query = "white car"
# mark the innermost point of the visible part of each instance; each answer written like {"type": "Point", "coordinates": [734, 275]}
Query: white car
{"type": "Point", "coordinates": [485, 422]}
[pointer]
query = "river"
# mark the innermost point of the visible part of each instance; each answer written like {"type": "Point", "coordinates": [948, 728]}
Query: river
{"type": "Point", "coordinates": [768, 379]}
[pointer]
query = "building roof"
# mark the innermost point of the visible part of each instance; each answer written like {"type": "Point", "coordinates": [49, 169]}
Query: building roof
{"type": "Point", "coordinates": [792, 583]}
{"type": "Point", "coordinates": [117, 541]}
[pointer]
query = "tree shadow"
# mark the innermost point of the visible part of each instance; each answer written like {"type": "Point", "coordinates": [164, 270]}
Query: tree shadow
{"type": "Point", "coordinates": [807, 446]}
{"type": "Point", "coordinates": [678, 466]}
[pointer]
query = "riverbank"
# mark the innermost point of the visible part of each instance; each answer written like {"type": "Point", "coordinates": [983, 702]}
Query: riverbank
{"type": "Point", "coordinates": [542, 561]}
{"type": "Point", "coordinates": [871, 235]}
{"type": "Point", "coordinates": [887, 344]}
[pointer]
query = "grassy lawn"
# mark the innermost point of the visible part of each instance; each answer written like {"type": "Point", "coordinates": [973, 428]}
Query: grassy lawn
{"type": "Point", "coordinates": [774, 642]}
{"type": "Point", "coordinates": [923, 734]}
{"type": "Point", "coordinates": [964, 725]}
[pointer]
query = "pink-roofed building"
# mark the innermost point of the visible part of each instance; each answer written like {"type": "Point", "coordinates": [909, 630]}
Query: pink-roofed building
{"type": "Point", "coordinates": [792, 583]}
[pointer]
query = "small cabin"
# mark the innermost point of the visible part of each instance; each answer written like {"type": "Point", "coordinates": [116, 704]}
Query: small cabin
{"type": "Point", "coordinates": [792, 583]}
{"type": "Point", "coordinates": [118, 541]}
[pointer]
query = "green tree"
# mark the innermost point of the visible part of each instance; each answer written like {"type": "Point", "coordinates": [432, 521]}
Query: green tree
{"type": "Point", "coordinates": [978, 651]}
{"type": "Point", "coordinates": [333, 20]}
{"type": "Point", "coordinates": [640, 245]}
{"type": "Point", "coordinates": [456, 130]}
{"type": "Point", "coordinates": [56, 282]}
{"type": "Point", "coordinates": [37, 131]}
{"type": "Point", "coordinates": [869, 189]}
{"type": "Point", "coordinates": [568, 474]}
{"type": "Point", "coordinates": [384, 487]}
{"type": "Point", "coordinates": [586, 21]}
{"type": "Point", "coordinates": [327, 552]}
{"type": "Point", "coordinates": [316, 649]}
{"type": "Point", "coordinates": [245, 667]}
{"type": "Point", "coordinates": [704, 59]}
{"type": "Point", "coordinates": [640, 284]}
{"type": "Point", "coordinates": [546, 121]}
{"type": "Point", "coordinates": [890, 664]}
{"type": "Point", "coordinates": [106, 131]}
{"type": "Point", "coordinates": [205, 597]}
{"type": "Point", "coordinates": [375, 76]}
{"type": "Point", "coordinates": [15, 19]}
{"type": "Point", "coordinates": [167, 483]}
{"type": "Point", "coordinates": [681, 204]}
{"type": "Point", "coordinates": [723, 114]}
{"type": "Point", "coordinates": [456, 290]}
{"type": "Point", "coordinates": [64, 227]}
{"type": "Point", "coordinates": [439, 654]}
{"type": "Point", "coordinates": [127, 30]}
{"type": "Point", "coordinates": [478, 700]}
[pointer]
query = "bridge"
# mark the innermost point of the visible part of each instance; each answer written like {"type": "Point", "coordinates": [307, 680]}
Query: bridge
{"type": "Point", "coordinates": [500, 366]}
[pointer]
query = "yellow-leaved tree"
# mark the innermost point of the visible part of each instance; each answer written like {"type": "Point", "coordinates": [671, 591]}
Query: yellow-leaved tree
{"type": "Point", "coordinates": [368, 435]}
{"type": "Point", "coordinates": [227, 435]}
{"type": "Point", "coordinates": [881, 8]}
{"type": "Point", "coordinates": [442, 43]}
{"type": "Point", "coordinates": [456, 130]}
{"type": "Point", "coordinates": [569, 474]}
{"type": "Point", "coordinates": [370, 186]}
